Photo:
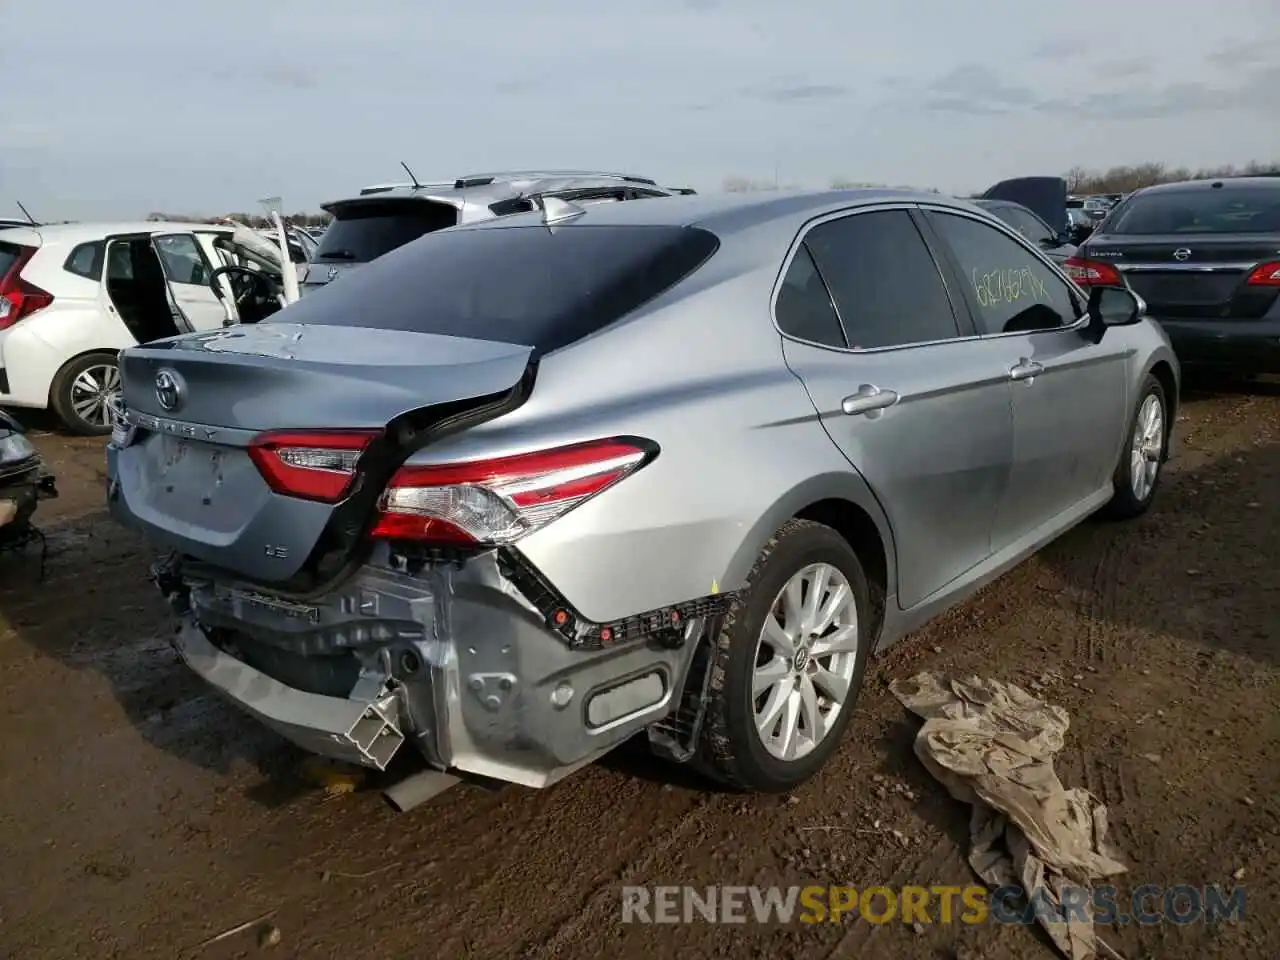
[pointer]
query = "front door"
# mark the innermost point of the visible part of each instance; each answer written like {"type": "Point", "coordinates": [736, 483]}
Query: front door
{"type": "Point", "coordinates": [921, 412]}
{"type": "Point", "coordinates": [187, 273]}
{"type": "Point", "coordinates": [1069, 395]}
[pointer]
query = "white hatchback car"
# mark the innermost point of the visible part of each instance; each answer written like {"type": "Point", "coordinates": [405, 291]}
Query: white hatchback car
{"type": "Point", "coordinates": [73, 295]}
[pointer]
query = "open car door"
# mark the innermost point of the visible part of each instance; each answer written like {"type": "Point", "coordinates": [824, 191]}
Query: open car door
{"type": "Point", "coordinates": [135, 289]}
{"type": "Point", "coordinates": [249, 286]}
{"type": "Point", "coordinates": [187, 273]}
{"type": "Point", "coordinates": [1046, 197]}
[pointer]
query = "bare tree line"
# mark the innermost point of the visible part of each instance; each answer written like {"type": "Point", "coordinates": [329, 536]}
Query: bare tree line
{"type": "Point", "coordinates": [249, 219]}
{"type": "Point", "coordinates": [1080, 180]}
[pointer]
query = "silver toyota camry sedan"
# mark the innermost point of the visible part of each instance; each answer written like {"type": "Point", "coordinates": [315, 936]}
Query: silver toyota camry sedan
{"type": "Point", "coordinates": [521, 490]}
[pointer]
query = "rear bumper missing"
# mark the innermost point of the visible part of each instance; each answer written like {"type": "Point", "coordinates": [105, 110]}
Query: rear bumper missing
{"type": "Point", "coordinates": [452, 661]}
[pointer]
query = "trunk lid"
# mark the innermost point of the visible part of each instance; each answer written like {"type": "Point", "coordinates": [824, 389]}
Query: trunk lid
{"type": "Point", "coordinates": [1046, 197]}
{"type": "Point", "coordinates": [180, 468]}
{"type": "Point", "coordinates": [1188, 275]}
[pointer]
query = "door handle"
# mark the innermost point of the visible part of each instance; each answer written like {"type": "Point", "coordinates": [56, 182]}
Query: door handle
{"type": "Point", "coordinates": [868, 399]}
{"type": "Point", "coordinates": [1025, 369]}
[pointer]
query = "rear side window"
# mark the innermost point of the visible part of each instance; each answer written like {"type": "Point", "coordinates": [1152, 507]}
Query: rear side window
{"type": "Point", "coordinates": [804, 309]}
{"type": "Point", "coordinates": [524, 285]}
{"type": "Point", "coordinates": [85, 260]}
{"type": "Point", "coordinates": [365, 230]}
{"type": "Point", "coordinates": [9, 253]}
{"type": "Point", "coordinates": [1208, 210]}
{"type": "Point", "coordinates": [1010, 288]}
{"type": "Point", "coordinates": [885, 285]}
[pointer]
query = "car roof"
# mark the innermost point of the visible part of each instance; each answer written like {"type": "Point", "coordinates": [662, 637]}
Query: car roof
{"type": "Point", "coordinates": [1223, 183]}
{"type": "Point", "coordinates": [727, 212]}
{"type": "Point", "coordinates": [87, 232]}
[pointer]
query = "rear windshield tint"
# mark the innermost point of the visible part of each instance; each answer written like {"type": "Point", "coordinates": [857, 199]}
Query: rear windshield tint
{"type": "Point", "coordinates": [365, 230]}
{"type": "Point", "coordinates": [1225, 210]}
{"type": "Point", "coordinates": [524, 285]}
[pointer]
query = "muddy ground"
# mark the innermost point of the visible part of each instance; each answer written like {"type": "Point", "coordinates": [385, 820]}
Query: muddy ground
{"type": "Point", "coordinates": [140, 816]}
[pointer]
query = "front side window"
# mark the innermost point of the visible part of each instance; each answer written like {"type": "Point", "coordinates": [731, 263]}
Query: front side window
{"type": "Point", "coordinates": [883, 279]}
{"type": "Point", "coordinates": [1010, 289]}
{"type": "Point", "coordinates": [183, 262]}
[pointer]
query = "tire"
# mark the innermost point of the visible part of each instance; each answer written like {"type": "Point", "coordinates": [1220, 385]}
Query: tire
{"type": "Point", "coordinates": [65, 392]}
{"type": "Point", "coordinates": [731, 749]}
{"type": "Point", "coordinates": [1129, 499]}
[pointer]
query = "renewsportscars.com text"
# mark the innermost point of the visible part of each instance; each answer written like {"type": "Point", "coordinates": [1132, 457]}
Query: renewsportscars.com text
{"type": "Point", "coordinates": [1147, 904]}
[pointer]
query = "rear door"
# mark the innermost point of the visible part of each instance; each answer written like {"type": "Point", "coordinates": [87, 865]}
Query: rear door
{"type": "Point", "coordinates": [1070, 402]}
{"type": "Point", "coordinates": [903, 387]}
{"type": "Point", "coordinates": [188, 272]}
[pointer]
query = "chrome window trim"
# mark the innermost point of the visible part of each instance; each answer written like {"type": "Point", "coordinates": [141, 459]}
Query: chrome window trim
{"type": "Point", "coordinates": [983, 218]}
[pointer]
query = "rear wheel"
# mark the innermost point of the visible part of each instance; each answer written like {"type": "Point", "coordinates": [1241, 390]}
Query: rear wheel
{"type": "Point", "coordinates": [787, 662]}
{"type": "Point", "coordinates": [80, 391]}
{"type": "Point", "coordinates": [1138, 473]}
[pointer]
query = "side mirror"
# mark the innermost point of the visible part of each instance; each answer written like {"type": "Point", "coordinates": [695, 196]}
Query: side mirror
{"type": "Point", "coordinates": [1113, 307]}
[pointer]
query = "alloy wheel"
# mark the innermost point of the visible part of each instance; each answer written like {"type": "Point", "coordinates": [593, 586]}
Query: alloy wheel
{"type": "Point", "coordinates": [806, 657]}
{"type": "Point", "coordinates": [91, 389]}
{"type": "Point", "coordinates": [1147, 448]}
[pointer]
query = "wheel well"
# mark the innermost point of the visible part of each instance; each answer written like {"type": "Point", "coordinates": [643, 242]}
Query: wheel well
{"type": "Point", "coordinates": [96, 351]}
{"type": "Point", "coordinates": [1164, 373]}
{"type": "Point", "coordinates": [860, 531]}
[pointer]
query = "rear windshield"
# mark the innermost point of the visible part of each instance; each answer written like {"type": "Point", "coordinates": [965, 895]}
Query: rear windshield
{"type": "Point", "coordinates": [365, 230]}
{"type": "Point", "coordinates": [524, 285]}
{"type": "Point", "coordinates": [1224, 210]}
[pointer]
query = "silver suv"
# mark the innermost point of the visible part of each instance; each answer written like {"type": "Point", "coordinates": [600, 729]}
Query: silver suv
{"type": "Point", "coordinates": [389, 215]}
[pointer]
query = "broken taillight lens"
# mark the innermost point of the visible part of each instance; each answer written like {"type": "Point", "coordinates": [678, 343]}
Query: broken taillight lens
{"type": "Point", "coordinates": [310, 464]}
{"type": "Point", "coordinates": [501, 500]}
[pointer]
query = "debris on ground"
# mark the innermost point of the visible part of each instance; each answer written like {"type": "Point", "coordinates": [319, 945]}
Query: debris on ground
{"type": "Point", "coordinates": [334, 777]}
{"type": "Point", "coordinates": [992, 745]}
{"type": "Point", "coordinates": [268, 935]}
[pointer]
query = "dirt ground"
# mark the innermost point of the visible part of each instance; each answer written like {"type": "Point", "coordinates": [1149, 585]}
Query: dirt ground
{"type": "Point", "coordinates": [140, 816]}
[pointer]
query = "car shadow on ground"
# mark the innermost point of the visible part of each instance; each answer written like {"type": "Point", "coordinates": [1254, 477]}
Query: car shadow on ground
{"type": "Point", "coordinates": [96, 610]}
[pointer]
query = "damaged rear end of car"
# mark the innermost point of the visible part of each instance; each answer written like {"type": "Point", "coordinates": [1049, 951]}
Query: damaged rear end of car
{"type": "Point", "coordinates": [346, 590]}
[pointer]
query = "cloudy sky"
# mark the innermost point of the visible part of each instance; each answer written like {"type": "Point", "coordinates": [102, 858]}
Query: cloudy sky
{"type": "Point", "coordinates": [117, 109]}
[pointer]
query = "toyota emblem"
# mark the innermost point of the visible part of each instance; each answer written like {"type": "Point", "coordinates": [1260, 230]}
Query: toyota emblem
{"type": "Point", "coordinates": [333, 273]}
{"type": "Point", "coordinates": [168, 390]}
{"type": "Point", "coordinates": [1181, 254]}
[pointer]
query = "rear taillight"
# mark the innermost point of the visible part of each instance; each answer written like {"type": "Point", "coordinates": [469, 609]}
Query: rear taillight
{"type": "Point", "coordinates": [500, 500]}
{"type": "Point", "coordinates": [1265, 275]}
{"type": "Point", "coordinates": [18, 297]}
{"type": "Point", "coordinates": [310, 464]}
{"type": "Point", "coordinates": [1092, 273]}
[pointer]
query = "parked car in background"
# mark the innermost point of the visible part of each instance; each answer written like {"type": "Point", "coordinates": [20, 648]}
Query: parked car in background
{"type": "Point", "coordinates": [1205, 256]}
{"type": "Point", "coordinates": [1037, 208]}
{"type": "Point", "coordinates": [433, 486]}
{"type": "Point", "coordinates": [73, 295]}
{"type": "Point", "coordinates": [386, 216]}
{"type": "Point", "coordinates": [1056, 245]}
